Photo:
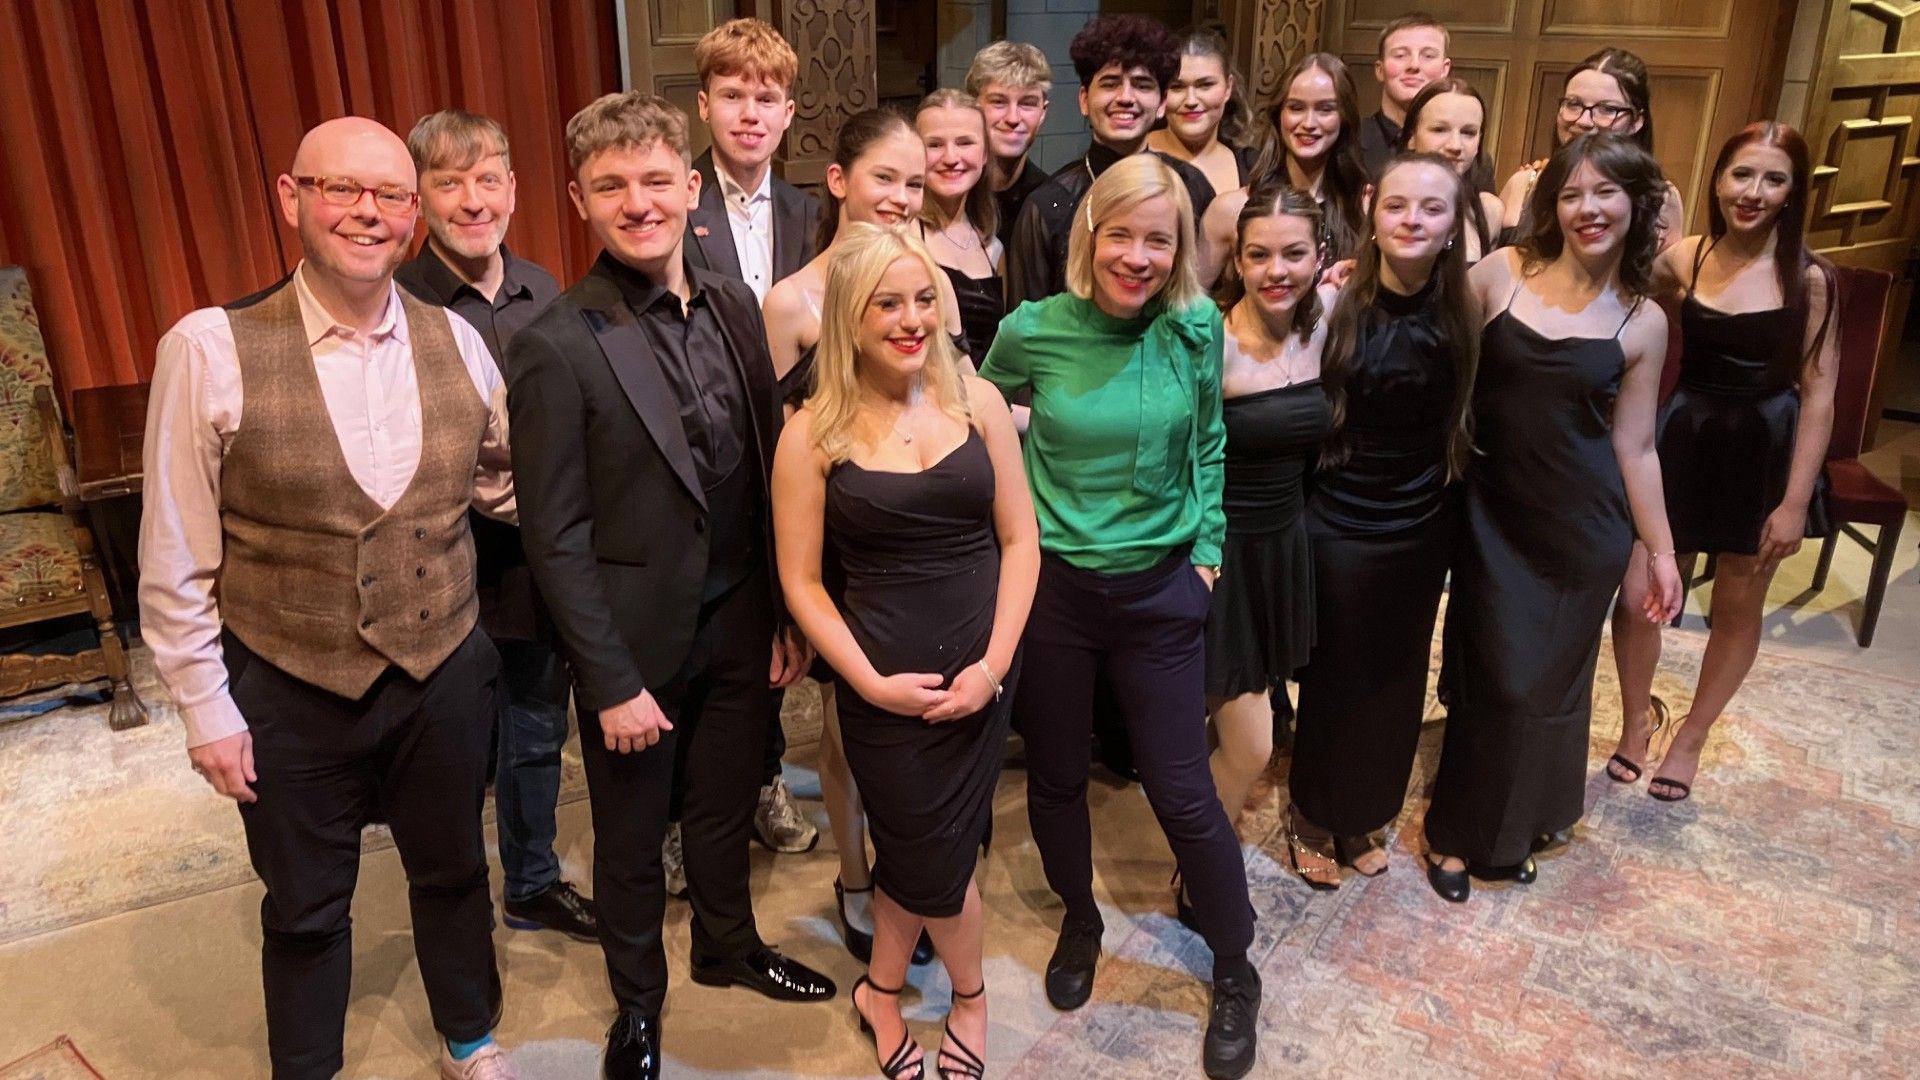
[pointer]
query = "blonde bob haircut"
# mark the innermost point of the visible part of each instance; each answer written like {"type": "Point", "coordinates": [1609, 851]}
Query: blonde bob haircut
{"type": "Point", "coordinates": [860, 259]}
{"type": "Point", "coordinates": [1126, 184]}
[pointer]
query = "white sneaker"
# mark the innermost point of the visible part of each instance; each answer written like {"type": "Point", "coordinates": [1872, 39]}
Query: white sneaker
{"type": "Point", "coordinates": [779, 825]}
{"type": "Point", "coordinates": [487, 1063]}
{"type": "Point", "coordinates": [674, 862]}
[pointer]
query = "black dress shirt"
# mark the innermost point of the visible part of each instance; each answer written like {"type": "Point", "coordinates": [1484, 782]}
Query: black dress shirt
{"type": "Point", "coordinates": [1379, 141]}
{"type": "Point", "coordinates": [1014, 196]}
{"type": "Point", "coordinates": [1036, 265]}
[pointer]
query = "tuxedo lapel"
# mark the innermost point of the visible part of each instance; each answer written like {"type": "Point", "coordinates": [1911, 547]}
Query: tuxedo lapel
{"type": "Point", "coordinates": [638, 371]}
{"type": "Point", "coordinates": [709, 226]}
{"type": "Point", "coordinates": [792, 229]}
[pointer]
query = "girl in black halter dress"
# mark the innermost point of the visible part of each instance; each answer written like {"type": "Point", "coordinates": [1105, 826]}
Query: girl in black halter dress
{"type": "Point", "coordinates": [1563, 418]}
{"type": "Point", "coordinates": [1742, 439]}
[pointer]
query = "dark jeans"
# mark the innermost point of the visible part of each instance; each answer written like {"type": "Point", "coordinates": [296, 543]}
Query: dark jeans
{"type": "Point", "coordinates": [412, 754]}
{"type": "Point", "coordinates": [1146, 628]}
{"type": "Point", "coordinates": [533, 728]}
{"type": "Point", "coordinates": [718, 705]}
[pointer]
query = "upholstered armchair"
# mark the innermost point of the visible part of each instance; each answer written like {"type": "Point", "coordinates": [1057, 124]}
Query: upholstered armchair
{"type": "Point", "coordinates": [47, 565]}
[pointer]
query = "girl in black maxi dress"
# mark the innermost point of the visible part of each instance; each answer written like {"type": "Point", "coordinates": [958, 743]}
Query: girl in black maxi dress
{"type": "Point", "coordinates": [1383, 519]}
{"type": "Point", "coordinates": [1548, 528]}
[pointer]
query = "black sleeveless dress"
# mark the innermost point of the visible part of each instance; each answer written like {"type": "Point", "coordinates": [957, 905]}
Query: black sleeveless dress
{"type": "Point", "coordinates": [922, 568]}
{"type": "Point", "coordinates": [982, 303]}
{"type": "Point", "coordinates": [1547, 539]}
{"type": "Point", "coordinates": [1726, 435]}
{"type": "Point", "coordinates": [1260, 627]}
{"type": "Point", "coordinates": [1383, 527]}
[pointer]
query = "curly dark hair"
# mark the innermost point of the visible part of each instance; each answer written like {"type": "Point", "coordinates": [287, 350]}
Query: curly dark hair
{"type": "Point", "coordinates": [1128, 40]}
{"type": "Point", "coordinates": [1619, 158]}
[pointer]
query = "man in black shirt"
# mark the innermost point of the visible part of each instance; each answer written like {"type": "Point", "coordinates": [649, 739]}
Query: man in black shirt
{"type": "Point", "coordinates": [1013, 84]}
{"type": "Point", "coordinates": [1413, 53]}
{"type": "Point", "coordinates": [467, 199]}
{"type": "Point", "coordinates": [1125, 63]}
{"type": "Point", "coordinates": [644, 421]}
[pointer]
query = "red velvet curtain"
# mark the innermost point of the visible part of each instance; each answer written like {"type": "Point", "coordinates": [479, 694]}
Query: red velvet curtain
{"type": "Point", "coordinates": [140, 140]}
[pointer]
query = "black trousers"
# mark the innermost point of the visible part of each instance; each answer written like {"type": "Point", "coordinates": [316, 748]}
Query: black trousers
{"type": "Point", "coordinates": [718, 704]}
{"type": "Point", "coordinates": [412, 754]}
{"type": "Point", "coordinates": [1147, 629]}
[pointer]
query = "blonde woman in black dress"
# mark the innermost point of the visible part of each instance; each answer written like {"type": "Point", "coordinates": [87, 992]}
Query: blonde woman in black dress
{"type": "Point", "coordinates": [913, 470]}
{"type": "Point", "coordinates": [1566, 476]}
{"type": "Point", "coordinates": [1742, 439]}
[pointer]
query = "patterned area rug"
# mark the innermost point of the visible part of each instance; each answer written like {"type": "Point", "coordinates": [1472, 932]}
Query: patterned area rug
{"type": "Point", "coordinates": [58, 1060]}
{"type": "Point", "coordinates": [1769, 927]}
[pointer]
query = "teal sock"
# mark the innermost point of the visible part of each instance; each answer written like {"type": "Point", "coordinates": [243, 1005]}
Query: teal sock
{"type": "Point", "coordinates": [461, 1051]}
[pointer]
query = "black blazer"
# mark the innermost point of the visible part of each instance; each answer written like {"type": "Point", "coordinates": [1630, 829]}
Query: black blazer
{"type": "Point", "coordinates": [611, 511]}
{"type": "Point", "coordinates": [796, 215]}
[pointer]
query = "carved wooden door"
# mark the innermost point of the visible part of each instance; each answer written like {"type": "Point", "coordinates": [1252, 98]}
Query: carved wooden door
{"type": "Point", "coordinates": [1710, 61]}
{"type": "Point", "coordinates": [1860, 127]}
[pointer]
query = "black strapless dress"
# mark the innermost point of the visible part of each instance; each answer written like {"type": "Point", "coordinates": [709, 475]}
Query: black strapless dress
{"type": "Point", "coordinates": [922, 568]}
{"type": "Point", "coordinates": [1547, 539]}
{"type": "Point", "coordinates": [1383, 526]}
{"type": "Point", "coordinates": [1726, 434]}
{"type": "Point", "coordinates": [982, 302]}
{"type": "Point", "coordinates": [1260, 627]}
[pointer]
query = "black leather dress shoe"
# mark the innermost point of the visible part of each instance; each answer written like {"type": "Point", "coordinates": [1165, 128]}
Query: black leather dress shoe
{"type": "Point", "coordinates": [1552, 841]}
{"type": "Point", "coordinates": [923, 952]}
{"type": "Point", "coordinates": [1523, 872]}
{"type": "Point", "coordinates": [560, 907]}
{"type": "Point", "coordinates": [633, 1048]}
{"type": "Point", "coordinates": [766, 971]}
{"type": "Point", "coordinates": [1454, 886]}
{"type": "Point", "coordinates": [1232, 1027]}
{"type": "Point", "coordinates": [1070, 971]}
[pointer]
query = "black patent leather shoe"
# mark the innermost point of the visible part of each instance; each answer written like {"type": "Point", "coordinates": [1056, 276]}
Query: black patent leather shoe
{"type": "Point", "coordinates": [1070, 971]}
{"type": "Point", "coordinates": [560, 907]}
{"type": "Point", "coordinates": [1453, 886]}
{"type": "Point", "coordinates": [1552, 841]}
{"type": "Point", "coordinates": [766, 971]}
{"type": "Point", "coordinates": [858, 941]}
{"type": "Point", "coordinates": [922, 950]}
{"type": "Point", "coordinates": [633, 1048]}
{"type": "Point", "coordinates": [1232, 1027]}
{"type": "Point", "coordinates": [1523, 872]}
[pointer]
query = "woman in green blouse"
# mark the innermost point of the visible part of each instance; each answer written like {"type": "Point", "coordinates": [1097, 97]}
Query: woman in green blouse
{"type": "Point", "coordinates": [1125, 454]}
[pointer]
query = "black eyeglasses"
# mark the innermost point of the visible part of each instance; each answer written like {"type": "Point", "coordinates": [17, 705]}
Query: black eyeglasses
{"type": "Point", "coordinates": [340, 191]}
{"type": "Point", "coordinates": [1605, 114]}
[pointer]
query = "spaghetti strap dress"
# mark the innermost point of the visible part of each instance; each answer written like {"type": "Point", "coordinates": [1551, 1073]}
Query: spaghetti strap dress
{"type": "Point", "coordinates": [1547, 539]}
{"type": "Point", "coordinates": [1726, 434]}
{"type": "Point", "coordinates": [922, 567]}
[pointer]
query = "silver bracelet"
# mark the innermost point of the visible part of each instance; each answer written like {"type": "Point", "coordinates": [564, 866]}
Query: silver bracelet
{"type": "Point", "coordinates": [991, 681]}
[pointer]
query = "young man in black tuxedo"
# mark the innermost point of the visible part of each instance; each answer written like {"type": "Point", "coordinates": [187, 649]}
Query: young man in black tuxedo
{"type": "Point", "coordinates": [644, 423]}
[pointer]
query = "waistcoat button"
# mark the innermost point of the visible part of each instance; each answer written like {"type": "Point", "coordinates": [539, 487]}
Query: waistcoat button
{"type": "Point", "coordinates": [419, 534]}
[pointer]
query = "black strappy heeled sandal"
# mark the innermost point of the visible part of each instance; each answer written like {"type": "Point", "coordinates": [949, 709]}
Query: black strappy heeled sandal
{"type": "Point", "coordinates": [1321, 847]}
{"type": "Point", "coordinates": [1661, 721]}
{"type": "Point", "coordinates": [960, 1063]}
{"type": "Point", "coordinates": [898, 1065]}
{"type": "Point", "coordinates": [1348, 849]}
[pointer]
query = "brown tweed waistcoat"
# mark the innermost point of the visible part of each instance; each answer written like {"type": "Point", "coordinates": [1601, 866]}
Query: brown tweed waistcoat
{"type": "Point", "coordinates": [316, 578]}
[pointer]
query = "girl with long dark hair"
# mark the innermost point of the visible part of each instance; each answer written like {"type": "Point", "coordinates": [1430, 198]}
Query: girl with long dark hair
{"type": "Point", "coordinates": [1398, 374]}
{"type": "Point", "coordinates": [1742, 438]}
{"type": "Point", "coordinates": [1565, 478]}
{"type": "Point", "coordinates": [1207, 112]}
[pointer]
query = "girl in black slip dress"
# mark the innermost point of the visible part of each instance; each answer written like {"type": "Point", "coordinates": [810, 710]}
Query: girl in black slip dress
{"type": "Point", "coordinates": [1547, 539]}
{"type": "Point", "coordinates": [982, 303]}
{"type": "Point", "coordinates": [921, 573]}
{"type": "Point", "coordinates": [1726, 434]}
{"type": "Point", "coordinates": [1383, 527]}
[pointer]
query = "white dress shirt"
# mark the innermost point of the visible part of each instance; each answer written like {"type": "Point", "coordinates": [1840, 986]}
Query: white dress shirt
{"type": "Point", "coordinates": [750, 216]}
{"type": "Point", "coordinates": [372, 394]}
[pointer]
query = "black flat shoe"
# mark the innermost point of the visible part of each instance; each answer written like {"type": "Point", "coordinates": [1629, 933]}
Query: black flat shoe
{"type": "Point", "coordinates": [769, 973]}
{"type": "Point", "coordinates": [923, 953]}
{"type": "Point", "coordinates": [1233, 1027]}
{"type": "Point", "coordinates": [859, 942]}
{"type": "Point", "coordinates": [1454, 886]}
{"type": "Point", "coordinates": [1552, 841]}
{"type": "Point", "coordinates": [633, 1048]}
{"type": "Point", "coordinates": [898, 1065]}
{"type": "Point", "coordinates": [1070, 971]}
{"type": "Point", "coordinates": [1523, 872]}
{"type": "Point", "coordinates": [560, 907]}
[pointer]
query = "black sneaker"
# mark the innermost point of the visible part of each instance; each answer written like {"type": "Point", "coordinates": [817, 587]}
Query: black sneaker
{"type": "Point", "coordinates": [1070, 971]}
{"type": "Point", "coordinates": [1233, 1026]}
{"type": "Point", "coordinates": [560, 907]}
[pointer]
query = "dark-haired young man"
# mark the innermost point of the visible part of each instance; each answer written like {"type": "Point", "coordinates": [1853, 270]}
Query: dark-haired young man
{"type": "Point", "coordinates": [1413, 53]}
{"type": "Point", "coordinates": [1125, 63]}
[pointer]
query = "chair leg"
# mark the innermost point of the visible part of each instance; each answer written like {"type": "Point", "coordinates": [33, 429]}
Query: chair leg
{"type": "Point", "coordinates": [126, 710]}
{"type": "Point", "coordinates": [1883, 551]}
{"type": "Point", "coordinates": [1826, 560]}
{"type": "Point", "coordinates": [1686, 586]}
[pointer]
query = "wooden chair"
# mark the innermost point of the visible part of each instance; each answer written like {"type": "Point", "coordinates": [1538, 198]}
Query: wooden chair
{"type": "Point", "coordinates": [1858, 496]}
{"type": "Point", "coordinates": [47, 564]}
